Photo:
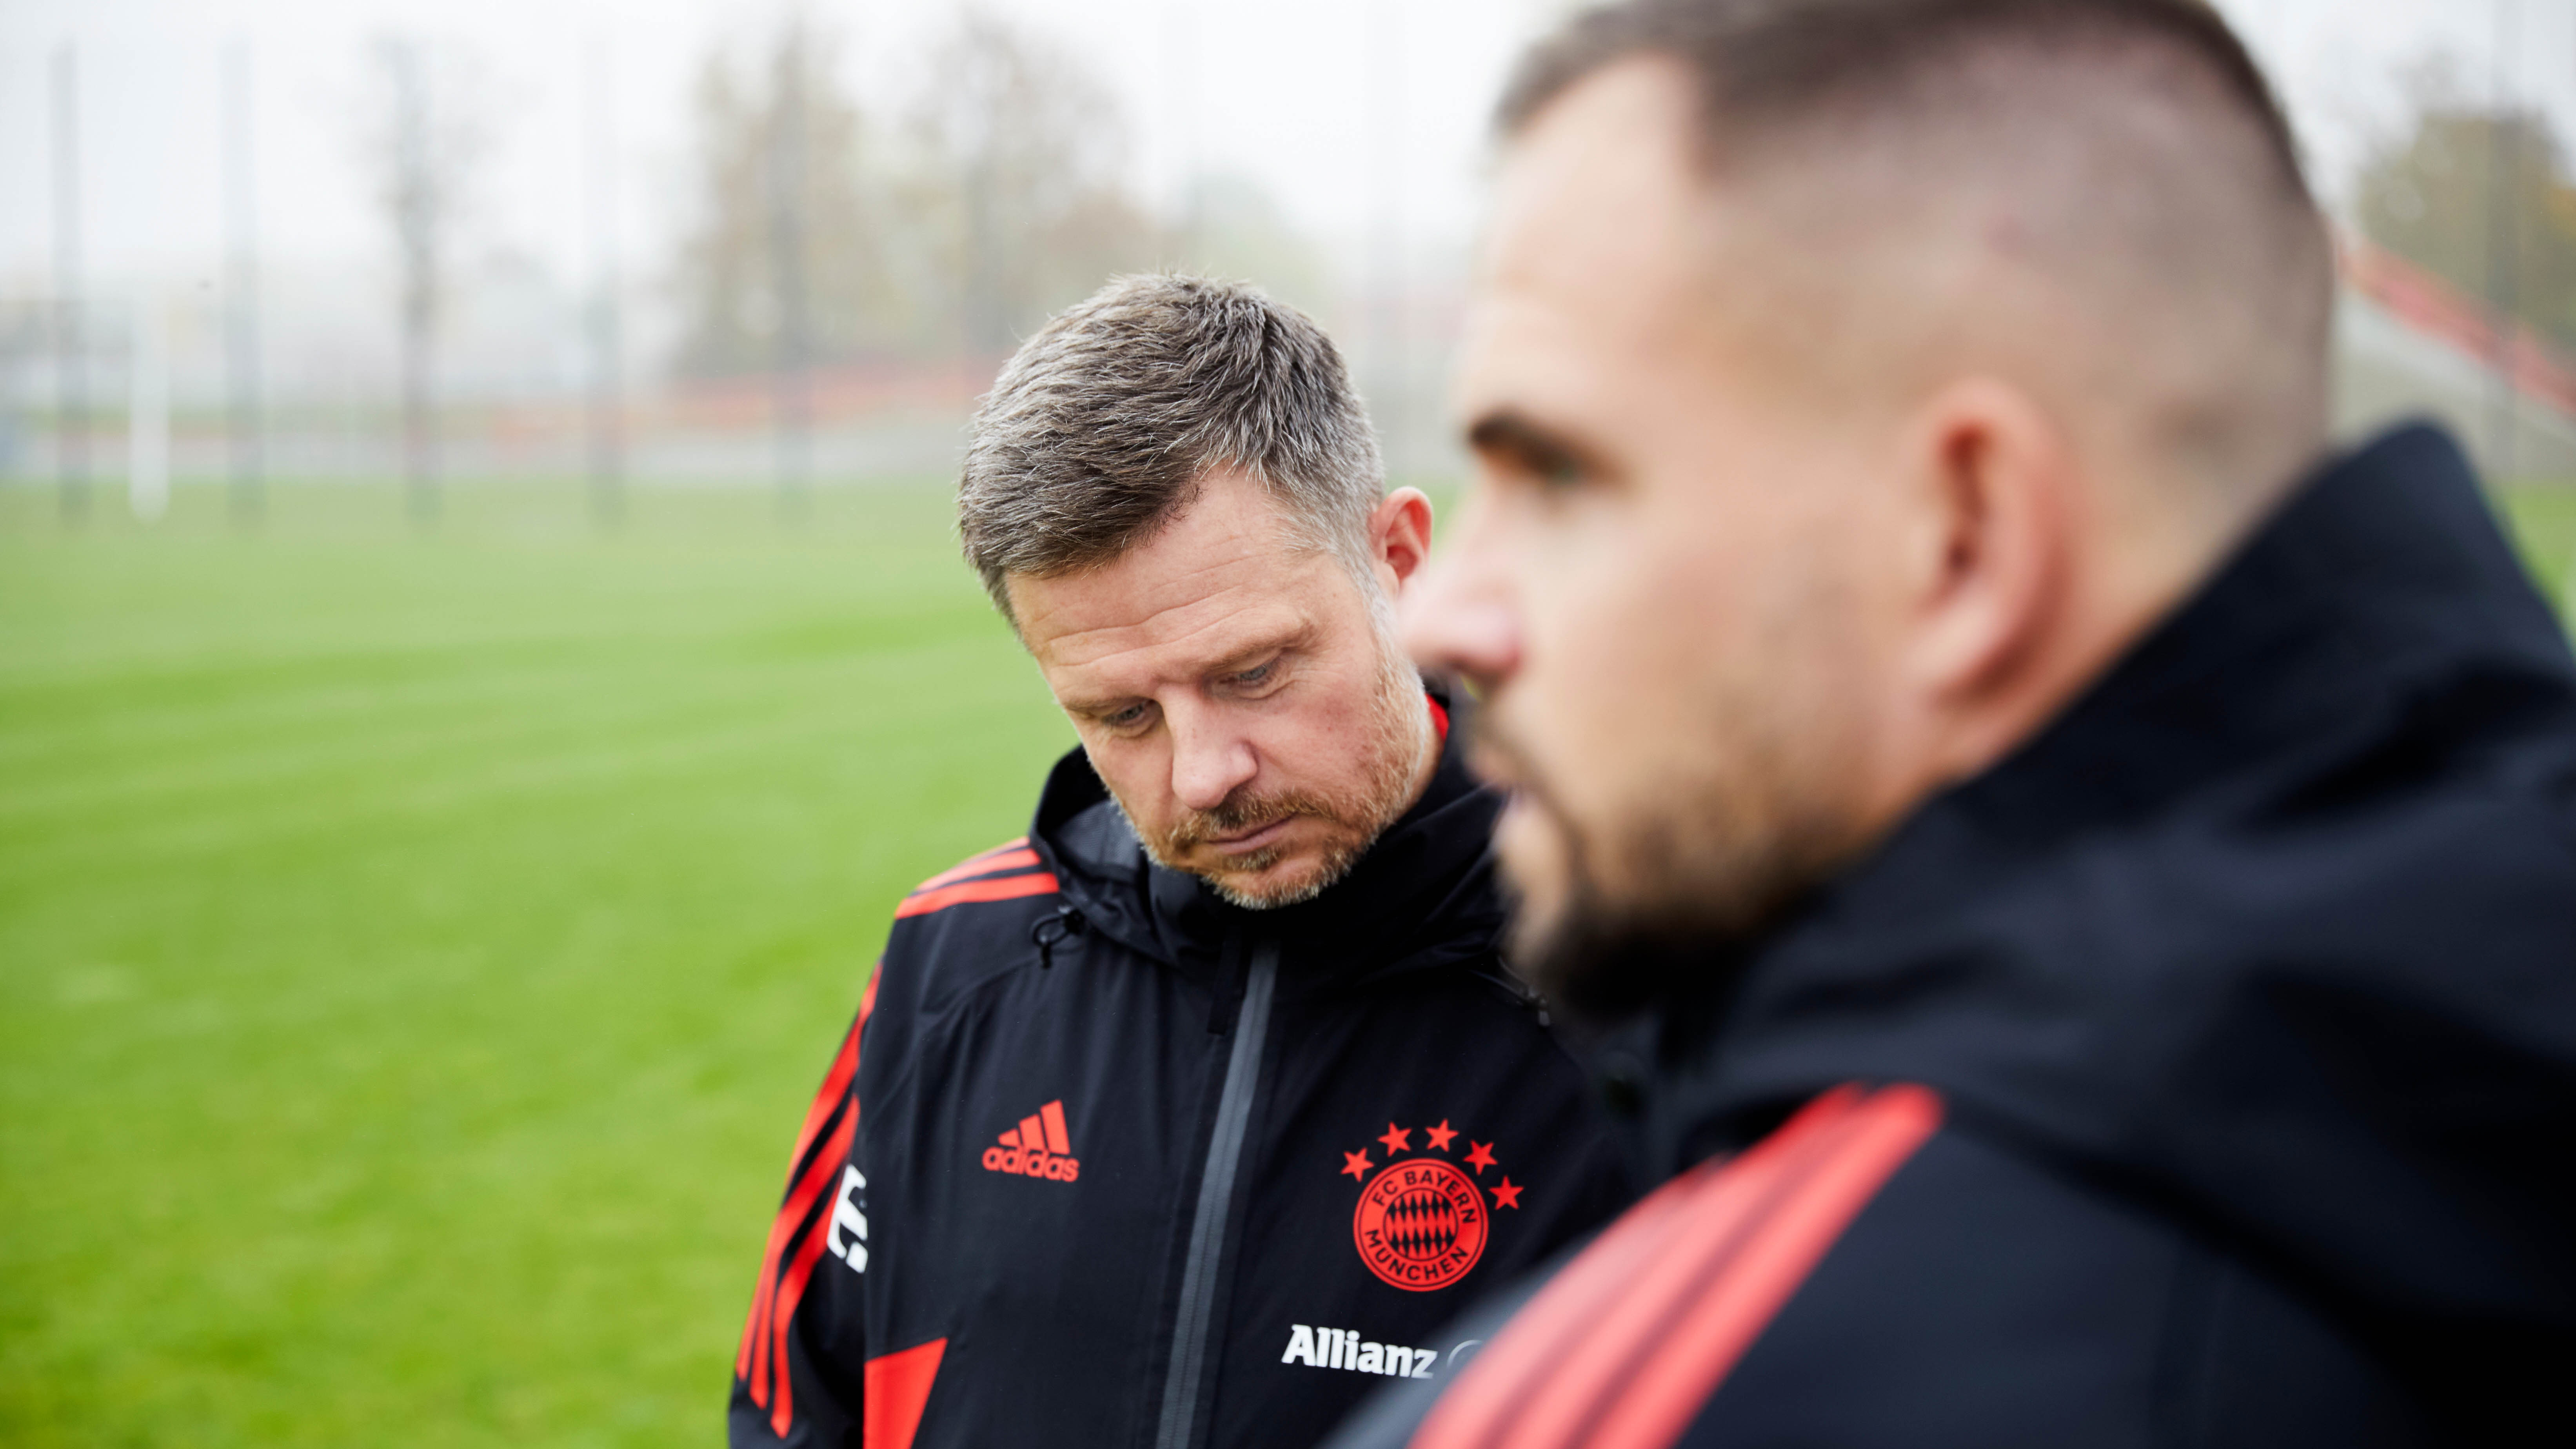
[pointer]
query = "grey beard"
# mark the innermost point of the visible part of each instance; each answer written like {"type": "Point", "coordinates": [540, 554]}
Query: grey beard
{"type": "Point", "coordinates": [1337, 864]}
{"type": "Point", "coordinates": [1398, 717]}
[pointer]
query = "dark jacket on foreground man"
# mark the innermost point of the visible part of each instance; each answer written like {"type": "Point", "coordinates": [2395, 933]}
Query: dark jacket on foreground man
{"type": "Point", "coordinates": [2204, 1073]}
{"type": "Point", "coordinates": [1106, 1161]}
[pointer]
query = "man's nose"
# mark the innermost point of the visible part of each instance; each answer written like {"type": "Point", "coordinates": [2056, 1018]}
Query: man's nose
{"type": "Point", "coordinates": [1458, 617]}
{"type": "Point", "coordinates": [1209, 760]}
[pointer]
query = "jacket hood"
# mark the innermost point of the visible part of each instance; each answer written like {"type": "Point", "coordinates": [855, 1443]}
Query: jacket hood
{"type": "Point", "coordinates": [2274, 929]}
{"type": "Point", "coordinates": [1423, 896]}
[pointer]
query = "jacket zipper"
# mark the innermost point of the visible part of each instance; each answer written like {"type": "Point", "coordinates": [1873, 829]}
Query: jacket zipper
{"type": "Point", "coordinates": [1216, 1201]}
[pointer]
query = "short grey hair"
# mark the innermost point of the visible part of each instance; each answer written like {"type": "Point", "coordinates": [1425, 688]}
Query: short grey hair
{"type": "Point", "coordinates": [1102, 427]}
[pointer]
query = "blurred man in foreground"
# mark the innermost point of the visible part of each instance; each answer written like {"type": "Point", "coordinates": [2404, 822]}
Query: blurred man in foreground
{"type": "Point", "coordinates": [2098, 876]}
{"type": "Point", "coordinates": [1194, 1115]}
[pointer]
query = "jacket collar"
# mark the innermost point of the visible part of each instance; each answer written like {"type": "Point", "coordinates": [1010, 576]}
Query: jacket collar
{"type": "Point", "coordinates": [2375, 600]}
{"type": "Point", "coordinates": [2383, 574]}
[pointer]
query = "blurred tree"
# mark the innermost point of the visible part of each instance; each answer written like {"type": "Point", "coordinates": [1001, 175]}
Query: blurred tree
{"type": "Point", "coordinates": [996, 201]}
{"type": "Point", "coordinates": [787, 101]}
{"type": "Point", "coordinates": [1012, 187]}
{"type": "Point", "coordinates": [2429, 197]}
{"type": "Point", "coordinates": [433, 127]}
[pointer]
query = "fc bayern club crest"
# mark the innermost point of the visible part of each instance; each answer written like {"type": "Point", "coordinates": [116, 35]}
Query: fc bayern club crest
{"type": "Point", "coordinates": [1423, 1219]}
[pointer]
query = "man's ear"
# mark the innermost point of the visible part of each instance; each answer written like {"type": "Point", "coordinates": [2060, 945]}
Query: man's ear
{"type": "Point", "coordinates": [1399, 535]}
{"type": "Point", "coordinates": [1991, 484]}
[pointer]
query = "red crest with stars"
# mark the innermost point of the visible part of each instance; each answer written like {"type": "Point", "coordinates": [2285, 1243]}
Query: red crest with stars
{"type": "Point", "coordinates": [1423, 1218]}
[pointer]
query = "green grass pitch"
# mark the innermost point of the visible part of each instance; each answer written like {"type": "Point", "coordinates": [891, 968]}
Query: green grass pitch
{"type": "Point", "coordinates": [416, 950]}
{"type": "Point", "coordinates": [416, 953]}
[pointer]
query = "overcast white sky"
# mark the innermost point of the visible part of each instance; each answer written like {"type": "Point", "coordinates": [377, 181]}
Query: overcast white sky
{"type": "Point", "coordinates": [1352, 112]}
{"type": "Point", "coordinates": [1336, 105]}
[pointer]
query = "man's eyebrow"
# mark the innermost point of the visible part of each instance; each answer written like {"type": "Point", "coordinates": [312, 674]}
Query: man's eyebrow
{"type": "Point", "coordinates": [1099, 708]}
{"type": "Point", "coordinates": [1513, 434]}
{"type": "Point", "coordinates": [1247, 655]}
{"type": "Point", "coordinates": [1237, 657]}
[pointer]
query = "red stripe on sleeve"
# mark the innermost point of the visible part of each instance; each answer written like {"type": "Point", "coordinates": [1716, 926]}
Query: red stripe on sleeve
{"type": "Point", "coordinates": [1561, 1373]}
{"type": "Point", "coordinates": [1665, 1393]}
{"type": "Point", "coordinates": [1004, 857]}
{"type": "Point", "coordinates": [772, 1352]}
{"type": "Point", "coordinates": [836, 1082]}
{"type": "Point", "coordinates": [1549, 1367]}
{"type": "Point", "coordinates": [1007, 888]}
{"type": "Point", "coordinates": [1439, 716]}
{"type": "Point", "coordinates": [791, 1210]}
{"type": "Point", "coordinates": [898, 1389]}
{"type": "Point", "coordinates": [776, 1300]}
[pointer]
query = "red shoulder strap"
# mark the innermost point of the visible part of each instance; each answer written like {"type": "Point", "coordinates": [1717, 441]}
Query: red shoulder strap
{"type": "Point", "coordinates": [1622, 1348]}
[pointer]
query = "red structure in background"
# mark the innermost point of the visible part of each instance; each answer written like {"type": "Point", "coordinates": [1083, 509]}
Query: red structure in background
{"type": "Point", "coordinates": [2415, 297]}
{"type": "Point", "coordinates": [743, 405]}
{"type": "Point", "coordinates": [855, 390]}
{"type": "Point", "coordinates": [2434, 307]}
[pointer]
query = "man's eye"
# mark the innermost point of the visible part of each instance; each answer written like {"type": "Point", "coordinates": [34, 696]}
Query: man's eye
{"type": "Point", "coordinates": [1127, 718]}
{"type": "Point", "coordinates": [1256, 674]}
{"type": "Point", "coordinates": [1556, 471]}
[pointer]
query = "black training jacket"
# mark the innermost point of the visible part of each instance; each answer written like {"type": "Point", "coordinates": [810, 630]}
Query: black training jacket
{"type": "Point", "coordinates": [2204, 1073]}
{"type": "Point", "coordinates": [1105, 1161]}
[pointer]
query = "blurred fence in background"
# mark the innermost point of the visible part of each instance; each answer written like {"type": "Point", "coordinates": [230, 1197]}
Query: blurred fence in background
{"type": "Point", "coordinates": [829, 271]}
{"type": "Point", "coordinates": [834, 284]}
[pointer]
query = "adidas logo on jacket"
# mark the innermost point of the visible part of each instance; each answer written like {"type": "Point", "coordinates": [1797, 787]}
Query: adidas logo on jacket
{"type": "Point", "coordinates": [1041, 1146]}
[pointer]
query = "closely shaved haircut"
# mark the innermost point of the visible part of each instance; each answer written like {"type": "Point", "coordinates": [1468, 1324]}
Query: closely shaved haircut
{"type": "Point", "coordinates": [2099, 197]}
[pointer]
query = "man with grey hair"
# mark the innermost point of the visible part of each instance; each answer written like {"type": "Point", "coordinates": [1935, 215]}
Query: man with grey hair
{"type": "Point", "coordinates": [1191, 1115]}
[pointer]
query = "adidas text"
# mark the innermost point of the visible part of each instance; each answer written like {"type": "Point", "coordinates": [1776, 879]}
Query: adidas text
{"type": "Point", "coordinates": [1041, 1146]}
{"type": "Point", "coordinates": [1340, 1348]}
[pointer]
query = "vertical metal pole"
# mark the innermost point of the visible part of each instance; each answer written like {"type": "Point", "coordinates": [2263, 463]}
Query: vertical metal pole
{"type": "Point", "coordinates": [241, 289]}
{"type": "Point", "coordinates": [2504, 165]}
{"type": "Point", "coordinates": [607, 411]}
{"type": "Point", "coordinates": [977, 301]}
{"type": "Point", "coordinates": [71, 377]}
{"type": "Point", "coordinates": [1389, 361]}
{"type": "Point", "coordinates": [984, 307]}
{"type": "Point", "coordinates": [417, 208]}
{"type": "Point", "coordinates": [791, 388]}
{"type": "Point", "coordinates": [147, 414]}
